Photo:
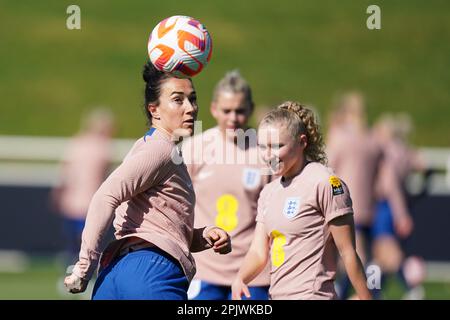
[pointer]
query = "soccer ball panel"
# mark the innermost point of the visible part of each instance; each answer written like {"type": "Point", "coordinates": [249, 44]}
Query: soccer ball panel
{"type": "Point", "coordinates": [180, 45]}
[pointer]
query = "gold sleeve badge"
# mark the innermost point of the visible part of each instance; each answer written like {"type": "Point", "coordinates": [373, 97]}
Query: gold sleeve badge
{"type": "Point", "coordinates": [336, 185]}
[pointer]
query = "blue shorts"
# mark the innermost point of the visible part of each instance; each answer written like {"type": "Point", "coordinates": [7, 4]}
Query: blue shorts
{"type": "Point", "coordinates": [146, 274]}
{"type": "Point", "coordinates": [209, 291]}
{"type": "Point", "coordinates": [383, 224]}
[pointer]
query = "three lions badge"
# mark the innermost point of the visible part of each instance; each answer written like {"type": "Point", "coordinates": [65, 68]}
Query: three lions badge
{"type": "Point", "coordinates": [291, 207]}
{"type": "Point", "coordinates": [251, 178]}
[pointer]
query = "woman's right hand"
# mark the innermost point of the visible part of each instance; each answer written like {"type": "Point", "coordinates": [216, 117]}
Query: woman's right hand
{"type": "Point", "coordinates": [238, 288]}
{"type": "Point", "coordinates": [75, 284]}
{"type": "Point", "coordinates": [220, 240]}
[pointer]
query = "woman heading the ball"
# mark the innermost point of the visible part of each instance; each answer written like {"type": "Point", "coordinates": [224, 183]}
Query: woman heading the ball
{"type": "Point", "coordinates": [305, 216]}
{"type": "Point", "coordinates": [152, 199]}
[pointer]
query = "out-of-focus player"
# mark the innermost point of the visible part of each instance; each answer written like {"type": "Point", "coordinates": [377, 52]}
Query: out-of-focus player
{"type": "Point", "coordinates": [392, 132]}
{"type": "Point", "coordinates": [85, 166]}
{"type": "Point", "coordinates": [226, 173]}
{"type": "Point", "coordinates": [358, 157]}
{"type": "Point", "coordinates": [355, 154]}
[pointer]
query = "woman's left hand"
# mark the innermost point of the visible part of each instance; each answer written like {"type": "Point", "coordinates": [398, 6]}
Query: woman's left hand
{"type": "Point", "coordinates": [75, 284]}
{"type": "Point", "coordinates": [220, 240]}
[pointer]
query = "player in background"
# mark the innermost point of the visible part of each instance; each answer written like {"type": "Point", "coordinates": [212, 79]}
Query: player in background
{"type": "Point", "coordinates": [226, 173]}
{"type": "Point", "coordinates": [305, 216]}
{"type": "Point", "coordinates": [150, 195]}
{"type": "Point", "coordinates": [356, 155]}
{"type": "Point", "coordinates": [85, 165]}
{"type": "Point", "coordinates": [392, 133]}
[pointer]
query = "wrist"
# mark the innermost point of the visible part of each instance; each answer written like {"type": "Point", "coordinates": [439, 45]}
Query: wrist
{"type": "Point", "coordinates": [78, 272]}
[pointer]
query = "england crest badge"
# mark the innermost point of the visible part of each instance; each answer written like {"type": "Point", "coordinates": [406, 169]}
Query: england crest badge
{"type": "Point", "coordinates": [291, 207]}
{"type": "Point", "coordinates": [251, 178]}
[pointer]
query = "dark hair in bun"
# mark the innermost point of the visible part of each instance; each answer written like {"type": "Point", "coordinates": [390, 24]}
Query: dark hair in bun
{"type": "Point", "coordinates": [153, 79]}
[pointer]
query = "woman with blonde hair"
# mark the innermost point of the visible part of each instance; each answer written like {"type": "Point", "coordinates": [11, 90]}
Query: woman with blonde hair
{"type": "Point", "coordinates": [305, 216]}
{"type": "Point", "coordinates": [229, 189]}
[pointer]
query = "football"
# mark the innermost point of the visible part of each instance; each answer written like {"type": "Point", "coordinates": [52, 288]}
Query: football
{"type": "Point", "coordinates": [180, 45]}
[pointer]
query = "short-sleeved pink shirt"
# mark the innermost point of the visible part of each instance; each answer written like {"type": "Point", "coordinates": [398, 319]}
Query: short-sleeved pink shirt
{"type": "Point", "coordinates": [296, 213]}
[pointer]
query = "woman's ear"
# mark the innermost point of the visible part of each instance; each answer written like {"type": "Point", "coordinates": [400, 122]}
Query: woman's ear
{"type": "Point", "coordinates": [213, 109]}
{"type": "Point", "coordinates": [154, 110]}
{"type": "Point", "coordinates": [303, 141]}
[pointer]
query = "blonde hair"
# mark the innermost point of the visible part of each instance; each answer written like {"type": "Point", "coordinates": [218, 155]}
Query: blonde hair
{"type": "Point", "coordinates": [300, 120]}
{"type": "Point", "coordinates": [235, 83]}
{"type": "Point", "coordinates": [398, 125]}
{"type": "Point", "coordinates": [97, 119]}
{"type": "Point", "coordinates": [349, 108]}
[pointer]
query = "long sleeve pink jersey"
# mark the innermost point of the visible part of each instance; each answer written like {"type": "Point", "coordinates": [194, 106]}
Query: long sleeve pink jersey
{"type": "Point", "coordinates": [149, 196]}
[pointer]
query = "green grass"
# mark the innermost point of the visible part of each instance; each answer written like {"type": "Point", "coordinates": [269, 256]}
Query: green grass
{"type": "Point", "coordinates": [43, 276]}
{"type": "Point", "coordinates": [288, 49]}
{"type": "Point", "coordinates": [433, 290]}
{"type": "Point", "coordinates": [42, 280]}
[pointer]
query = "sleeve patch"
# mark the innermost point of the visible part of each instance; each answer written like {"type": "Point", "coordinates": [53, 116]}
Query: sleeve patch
{"type": "Point", "coordinates": [336, 185]}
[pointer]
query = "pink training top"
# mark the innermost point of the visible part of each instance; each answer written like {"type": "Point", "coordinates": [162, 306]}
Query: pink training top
{"type": "Point", "coordinates": [295, 214]}
{"type": "Point", "coordinates": [403, 159]}
{"type": "Point", "coordinates": [151, 197]}
{"type": "Point", "coordinates": [227, 194]}
{"type": "Point", "coordinates": [84, 168]}
{"type": "Point", "coordinates": [398, 162]}
{"type": "Point", "coordinates": [356, 157]}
